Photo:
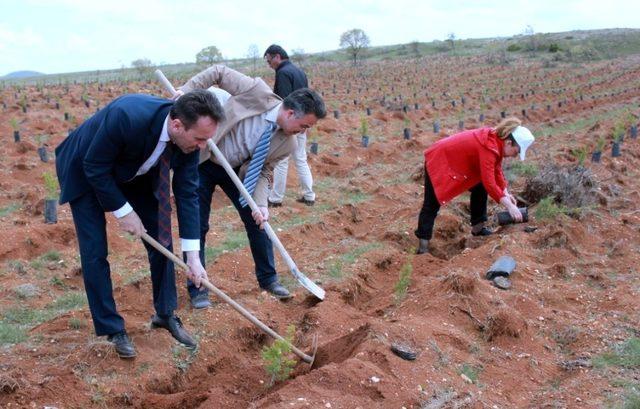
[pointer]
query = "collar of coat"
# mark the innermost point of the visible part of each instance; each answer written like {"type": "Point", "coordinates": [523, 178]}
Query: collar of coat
{"type": "Point", "coordinates": [491, 141]}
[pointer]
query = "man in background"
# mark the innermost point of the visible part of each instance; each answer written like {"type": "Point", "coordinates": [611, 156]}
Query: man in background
{"type": "Point", "coordinates": [288, 79]}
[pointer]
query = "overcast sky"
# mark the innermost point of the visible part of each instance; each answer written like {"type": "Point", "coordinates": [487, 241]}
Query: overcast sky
{"type": "Point", "coordinates": [54, 36]}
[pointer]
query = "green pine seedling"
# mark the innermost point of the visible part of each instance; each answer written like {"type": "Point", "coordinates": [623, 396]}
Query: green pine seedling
{"type": "Point", "coordinates": [404, 279]}
{"type": "Point", "coordinates": [364, 126]}
{"type": "Point", "coordinates": [277, 358]}
{"type": "Point", "coordinates": [50, 185]}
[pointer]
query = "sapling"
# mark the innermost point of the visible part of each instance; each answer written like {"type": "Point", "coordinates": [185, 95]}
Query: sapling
{"type": "Point", "coordinates": [23, 103]}
{"type": "Point", "coordinates": [404, 279]}
{"type": "Point", "coordinates": [41, 139]}
{"type": "Point", "coordinates": [50, 185]}
{"type": "Point", "coordinates": [364, 126]}
{"type": "Point", "coordinates": [278, 361]}
{"type": "Point", "coordinates": [14, 124]}
{"type": "Point", "coordinates": [580, 154]}
{"type": "Point", "coordinates": [618, 132]}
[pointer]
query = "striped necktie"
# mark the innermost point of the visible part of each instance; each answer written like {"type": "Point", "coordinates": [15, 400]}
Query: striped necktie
{"type": "Point", "coordinates": [257, 161]}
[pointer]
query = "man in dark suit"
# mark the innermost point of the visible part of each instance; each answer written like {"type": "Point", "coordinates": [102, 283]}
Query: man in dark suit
{"type": "Point", "coordinates": [118, 161]}
{"type": "Point", "coordinates": [289, 78]}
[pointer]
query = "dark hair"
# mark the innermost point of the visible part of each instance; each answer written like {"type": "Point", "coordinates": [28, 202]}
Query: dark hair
{"type": "Point", "coordinates": [276, 49]}
{"type": "Point", "coordinates": [192, 105]}
{"type": "Point", "coordinates": [305, 101]}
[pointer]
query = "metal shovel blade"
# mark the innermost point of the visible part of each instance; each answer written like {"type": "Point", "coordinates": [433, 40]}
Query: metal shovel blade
{"type": "Point", "coordinates": [312, 287]}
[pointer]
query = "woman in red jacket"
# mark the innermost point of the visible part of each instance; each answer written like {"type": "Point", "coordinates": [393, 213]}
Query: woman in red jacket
{"type": "Point", "coordinates": [471, 160]}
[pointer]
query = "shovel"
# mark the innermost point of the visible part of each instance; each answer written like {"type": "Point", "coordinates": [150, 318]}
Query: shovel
{"type": "Point", "coordinates": [306, 358]}
{"type": "Point", "coordinates": [312, 287]}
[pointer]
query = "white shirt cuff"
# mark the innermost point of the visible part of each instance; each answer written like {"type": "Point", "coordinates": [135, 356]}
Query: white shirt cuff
{"type": "Point", "coordinates": [123, 211]}
{"type": "Point", "coordinates": [190, 244]}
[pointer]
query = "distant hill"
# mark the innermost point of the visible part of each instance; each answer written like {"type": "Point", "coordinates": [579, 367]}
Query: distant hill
{"type": "Point", "coordinates": [572, 47]}
{"type": "Point", "coordinates": [22, 74]}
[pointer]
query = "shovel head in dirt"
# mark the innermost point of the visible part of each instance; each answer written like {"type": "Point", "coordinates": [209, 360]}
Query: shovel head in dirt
{"type": "Point", "coordinates": [502, 267]}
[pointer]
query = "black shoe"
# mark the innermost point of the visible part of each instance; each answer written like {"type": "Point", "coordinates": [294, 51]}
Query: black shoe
{"type": "Point", "coordinates": [305, 201]}
{"type": "Point", "coordinates": [423, 246]}
{"type": "Point", "coordinates": [200, 301]}
{"type": "Point", "coordinates": [123, 345]}
{"type": "Point", "coordinates": [483, 232]}
{"type": "Point", "coordinates": [274, 204]}
{"type": "Point", "coordinates": [278, 290]}
{"type": "Point", "coordinates": [174, 326]}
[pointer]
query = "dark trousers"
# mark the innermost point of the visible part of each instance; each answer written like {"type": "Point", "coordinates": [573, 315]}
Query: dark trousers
{"type": "Point", "coordinates": [89, 220]}
{"type": "Point", "coordinates": [212, 175]}
{"type": "Point", "coordinates": [430, 208]}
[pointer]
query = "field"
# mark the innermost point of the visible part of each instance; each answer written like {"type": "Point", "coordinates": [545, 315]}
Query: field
{"type": "Point", "coordinates": [567, 334]}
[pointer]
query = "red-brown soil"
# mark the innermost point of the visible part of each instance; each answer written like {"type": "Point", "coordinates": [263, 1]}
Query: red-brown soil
{"type": "Point", "coordinates": [575, 294]}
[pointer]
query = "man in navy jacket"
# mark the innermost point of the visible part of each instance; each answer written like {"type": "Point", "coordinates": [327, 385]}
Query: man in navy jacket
{"type": "Point", "coordinates": [289, 78]}
{"type": "Point", "coordinates": [114, 163]}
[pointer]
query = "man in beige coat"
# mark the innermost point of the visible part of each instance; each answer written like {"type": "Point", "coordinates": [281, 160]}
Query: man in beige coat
{"type": "Point", "coordinates": [251, 110]}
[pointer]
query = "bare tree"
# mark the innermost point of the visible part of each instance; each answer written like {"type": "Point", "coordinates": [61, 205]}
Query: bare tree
{"type": "Point", "coordinates": [531, 38]}
{"type": "Point", "coordinates": [415, 48]}
{"type": "Point", "coordinates": [142, 65]}
{"type": "Point", "coordinates": [209, 55]}
{"type": "Point", "coordinates": [354, 41]}
{"type": "Point", "coordinates": [253, 53]}
{"type": "Point", "coordinates": [451, 39]}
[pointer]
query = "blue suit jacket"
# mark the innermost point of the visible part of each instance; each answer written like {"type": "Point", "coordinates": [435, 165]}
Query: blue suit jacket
{"type": "Point", "coordinates": [109, 148]}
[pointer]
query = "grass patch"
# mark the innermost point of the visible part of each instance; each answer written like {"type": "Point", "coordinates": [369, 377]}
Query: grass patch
{"type": "Point", "coordinates": [69, 301]}
{"type": "Point", "coordinates": [37, 264]}
{"type": "Point", "coordinates": [404, 279]}
{"type": "Point", "coordinates": [48, 257]}
{"type": "Point", "coordinates": [233, 241]}
{"type": "Point", "coordinates": [353, 197]}
{"type": "Point", "coordinates": [77, 323]}
{"type": "Point", "coordinates": [16, 266]}
{"type": "Point", "coordinates": [297, 220]}
{"type": "Point", "coordinates": [471, 372]}
{"type": "Point", "coordinates": [8, 209]}
{"type": "Point", "coordinates": [632, 399]}
{"type": "Point", "coordinates": [525, 169]}
{"type": "Point", "coordinates": [580, 124]}
{"type": "Point", "coordinates": [51, 256]}
{"type": "Point", "coordinates": [11, 334]}
{"type": "Point", "coordinates": [326, 184]}
{"type": "Point", "coordinates": [336, 269]}
{"type": "Point", "coordinates": [136, 276]}
{"type": "Point", "coordinates": [57, 282]}
{"type": "Point", "coordinates": [565, 337]}
{"type": "Point", "coordinates": [352, 256]}
{"type": "Point", "coordinates": [289, 282]}
{"type": "Point", "coordinates": [625, 355]}
{"type": "Point", "coordinates": [183, 357]}
{"type": "Point", "coordinates": [548, 209]}
{"type": "Point", "coordinates": [17, 321]}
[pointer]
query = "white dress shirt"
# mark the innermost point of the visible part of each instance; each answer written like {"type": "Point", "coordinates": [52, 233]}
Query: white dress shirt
{"type": "Point", "coordinates": [186, 244]}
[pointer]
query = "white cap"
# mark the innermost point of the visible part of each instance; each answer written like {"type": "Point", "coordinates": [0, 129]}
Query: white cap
{"type": "Point", "coordinates": [524, 138]}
